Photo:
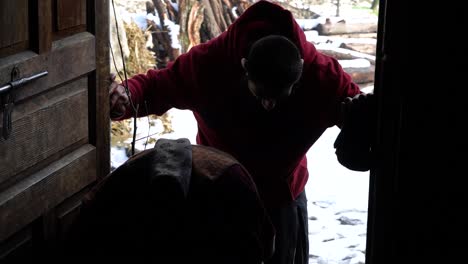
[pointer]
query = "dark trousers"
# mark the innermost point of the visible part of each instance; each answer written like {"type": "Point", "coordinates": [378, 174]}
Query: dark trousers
{"type": "Point", "coordinates": [292, 234]}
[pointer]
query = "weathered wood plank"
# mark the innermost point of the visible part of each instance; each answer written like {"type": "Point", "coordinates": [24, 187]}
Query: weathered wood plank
{"type": "Point", "coordinates": [27, 200]}
{"type": "Point", "coordinates": [99, 88]}
{"type": "Point", "coordinates": [74, 55]}
{"type": "Point", "coordinates": [44, 26]}
{"type": "Point", "coordinates": [44, 126]}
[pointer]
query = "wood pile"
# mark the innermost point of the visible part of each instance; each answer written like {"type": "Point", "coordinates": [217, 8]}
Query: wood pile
{"type": "Point", "coordinates": [201, 20]}
{"type": "Point", "coordinates": [349, 50]}
{"type": "Point", "coordinates": [348, 41]}
{"type": "Point", "coordinates": [198, 21]}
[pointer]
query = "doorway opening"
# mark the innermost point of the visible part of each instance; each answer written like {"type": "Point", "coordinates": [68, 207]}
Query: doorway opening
{"type": "Point", "coordinates": [337, 197]}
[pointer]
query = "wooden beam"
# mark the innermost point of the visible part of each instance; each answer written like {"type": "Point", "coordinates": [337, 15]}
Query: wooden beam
{"type": "Point", "coordinates": [99, 124]}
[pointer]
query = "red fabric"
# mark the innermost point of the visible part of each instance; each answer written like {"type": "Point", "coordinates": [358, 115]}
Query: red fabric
{"type": "Point", "coordinates": [209, 80]}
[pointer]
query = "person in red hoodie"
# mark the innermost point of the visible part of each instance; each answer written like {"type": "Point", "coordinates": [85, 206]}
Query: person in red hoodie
{"type": "Point", "coordinates": [262, 93]}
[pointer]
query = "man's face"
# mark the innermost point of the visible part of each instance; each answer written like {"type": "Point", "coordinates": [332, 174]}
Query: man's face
{"type": "Point", "coordinates": [263, 90]}
{"type": "Point", "coordinates": [268, 102]}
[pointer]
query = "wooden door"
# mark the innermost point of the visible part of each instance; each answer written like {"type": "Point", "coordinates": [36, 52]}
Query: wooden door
{"type": "Point", "coordinates": [59, 140]}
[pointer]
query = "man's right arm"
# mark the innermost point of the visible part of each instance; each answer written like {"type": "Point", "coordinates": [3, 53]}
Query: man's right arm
{"type": "Point", "coordinates": [179, 85]}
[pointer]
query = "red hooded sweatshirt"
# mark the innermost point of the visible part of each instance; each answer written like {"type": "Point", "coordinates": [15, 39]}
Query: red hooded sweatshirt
{"type": "Point", "coordinates": [210, 81]}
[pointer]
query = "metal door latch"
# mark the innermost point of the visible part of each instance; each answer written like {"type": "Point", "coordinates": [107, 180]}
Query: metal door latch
{"type": "Point", "coordinates": [7, 97]}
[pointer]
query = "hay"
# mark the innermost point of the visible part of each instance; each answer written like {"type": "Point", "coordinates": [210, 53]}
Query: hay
{"type": "Point", "coordinates": [141, 58]}
{"type": "Point", "coordinates": [139, 61]}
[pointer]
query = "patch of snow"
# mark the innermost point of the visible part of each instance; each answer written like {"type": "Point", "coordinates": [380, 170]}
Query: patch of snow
{"type": "Point", "coordinates": [174, 33]}
{"type": "Point", "coordinates": [355, 63]}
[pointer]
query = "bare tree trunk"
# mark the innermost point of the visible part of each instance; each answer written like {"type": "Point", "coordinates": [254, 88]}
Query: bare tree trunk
{"type": "Point", "coordinates": [218, 12]}
{"type": "Point", "coordinates": [210, 22]}
{"type": "Point", "coordinates": [150, 9]}
{"type": "Point", "coordinates": [160, 7]}
{"type": "Point", "coordinates": [195, 27]}
{"type": "Point", "coordinates": [184, 11]}
{"type": "Point", "coordinates": [173, 14]}
{"type": "Point", "coordinates": [229, 16]}
{"type": "Point", "coordinates": [162, 33]}
{"type": "Point", "coordinates": [195, 21]}
{"type": "Point", "coordinates": [337, 8]}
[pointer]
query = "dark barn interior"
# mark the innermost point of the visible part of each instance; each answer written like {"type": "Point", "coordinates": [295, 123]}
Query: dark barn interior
{"type": "Point", "coordinates": [51, 153]}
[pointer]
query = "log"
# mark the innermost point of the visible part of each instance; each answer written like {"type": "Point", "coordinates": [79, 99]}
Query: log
{"type": "Point", "coordinates": [359, 40]}
{"type": "Point", "coordinates": [173, 14]}
{"type": "Point", "coordinates": [363, 45]}
{"type": "Point", "coordinates": [344, 54]}
{"type": "Point", "coordinates": [229, 15]}
{"type": "Point", "coordinates": [298, 13]}
{"type": "Point", "coordinates": [161, 9]}
{"type": "Point", "coordinates": [242, 5]}
{"type": "Point", "coordinates": [360, 70]}
{"type": "Point", "coordinates": [210, 23]}
{"type": "Point", "coordinates": [217, 17]}
{"type": "Point", "coordinates": [222, 15]}
{"type": "Point", "coordinates": [195, 21]}
{"type": "Point", "coordinates": [360, 47]}
{"type": "Point", "coordinates": [346, 27]}
{"type": "Point", "coordinates": [218, 14]}
{"type": "Point", "coordinates": [161, 35]}
{"type": "Point", "coordinates": [161, 45]}
{"type": "Point", "coordinates": [185, 7]}
{"type": "Point", "coordinates": [361, 75]}
{"type": "Point", "coordinates": [150, 9]}
{"type": "Point", "coordinates": [358, 35]}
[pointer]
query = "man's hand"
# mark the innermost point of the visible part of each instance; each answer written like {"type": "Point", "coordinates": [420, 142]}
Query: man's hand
{"type": "Point", "coordinates": [118, 99]}
{"type": "Point", "coordinates": [353, 144]}
{"type": "Point", "coordinates": [357, 110]}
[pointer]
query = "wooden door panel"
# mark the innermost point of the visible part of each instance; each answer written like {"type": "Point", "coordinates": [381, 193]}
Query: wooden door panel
{"type": "Point", "coordinates": [69, 59]}
{"type": "Point", "coordinates": [14, 27]}
{"type": "Point", "coordinates": [70, 13]}
{"type": "Point", "coordinates": [18, 247]}
{"type": "Point", "coordinates": [66, 218]}
{"type": "Point", "coordinates": [59, 142]}
{"type": "Point", "coordinates": [66, 214]}
{"type": "Point", "coordinates": [70, 17]}
{"type": "Point", "coordinates": [42, 191]}
{"type": "Point", "coordinates": [45, 125]}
